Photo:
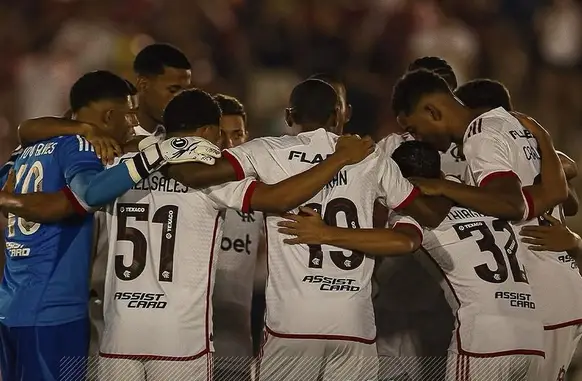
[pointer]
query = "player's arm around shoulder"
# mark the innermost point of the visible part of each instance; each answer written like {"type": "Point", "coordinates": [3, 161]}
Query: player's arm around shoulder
{"type": "Point", "coordinates": [498, 192]}
{"type": "Point", "coordinates": [554, 237]}
{"type": "Point", "coordinates": [308, 227]}
{"type": "Point", "coordinates": [234, 164]}
{"type": "Point", "coordinates": [553, 187]}
{"type": "Point", "coordinates": [35, 130]}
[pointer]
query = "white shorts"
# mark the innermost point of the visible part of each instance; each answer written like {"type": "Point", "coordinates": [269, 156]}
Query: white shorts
{"type": "Point", "coordinates": [559, 345]}
{"type": "Point", "coordinates": [506, 368]}
{"type": "Point", "coordinates": [285, 359]}
{"type": "Point", "coordinates": [116, 369]}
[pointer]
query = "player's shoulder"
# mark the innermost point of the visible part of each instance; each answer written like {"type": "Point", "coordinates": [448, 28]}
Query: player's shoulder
{"type": "Point", "coordinates": [319, 136]}
{"type": "Point", "coordinates": [389, 144]}
{"type": "Point", "coordinates": [493, 124]}
{"type": "Point", "coordinates": [75, 142]}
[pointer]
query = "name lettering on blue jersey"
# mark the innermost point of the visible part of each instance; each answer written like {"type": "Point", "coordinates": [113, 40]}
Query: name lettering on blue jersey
{"type": "Point", "coordinates": [39, 149]}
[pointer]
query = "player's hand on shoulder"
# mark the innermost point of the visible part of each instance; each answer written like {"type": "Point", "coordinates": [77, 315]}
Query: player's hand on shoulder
{"type": "Point", "coordinates": [531, 124]}
{"type": "Point", "coordinates": [429, 187]}
{"type": "Point", "coordinates": [307, 227]}
{"type": "Point", "coordinates": [353, 148]}
{"type": "Point", "coordinates": [106, 147]}
{"type": "Point", "coordinates": [188, 149]}
{"type": "Point", "coordinates": [556, 237]}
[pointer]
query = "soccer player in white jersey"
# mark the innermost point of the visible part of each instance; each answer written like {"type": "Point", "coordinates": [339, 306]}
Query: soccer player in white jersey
{"type": "Point", "coordinates": [235, 270]}
{"type": "Point", "coordinates": [490, 94]}
{"type": "Point", "coordinates": [502, 157]}
{"type": "Point", "coordinates": [158, 314]}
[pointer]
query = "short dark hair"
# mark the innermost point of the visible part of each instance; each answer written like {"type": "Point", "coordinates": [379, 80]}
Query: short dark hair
{"type": "Point", "coordinates": [313, 101]}
{"type": "Point", "coordinates": [230, 106]}
{"type": "Point", "coordinates": [418, 159]}
{"type": "Point", "coordinates": [153, 59]}
{"type": "Point", "coordinates": [481, 93]}
{"type": "Point", "coordinates": [437, 65]}
{"type": "Point", "coordinates": [329, 78]}
{"type": "Point", "coordinates": [190, 110]}
{"type": "Point", "coordinates": [412, 86]}
{"type": "Point", "coordinates": [96, 86]}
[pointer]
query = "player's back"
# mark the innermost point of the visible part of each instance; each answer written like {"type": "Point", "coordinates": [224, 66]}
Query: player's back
{"type": "Point", "coordinates": [47, 269]}
{"type": "Point", "coordinates": [162, 250]}
{"type": "Point", "coordinates": [552, 273]}
{"type": "Point", "coordinates": [163, 237]}
{"type": "Point", "coordinates": [488, 288]}
{"type": "Point", "coordinates": [323, 291]}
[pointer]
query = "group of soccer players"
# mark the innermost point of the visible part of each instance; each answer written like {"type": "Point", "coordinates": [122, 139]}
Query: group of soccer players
{"type": "Point", "coordinates": [152, 194]}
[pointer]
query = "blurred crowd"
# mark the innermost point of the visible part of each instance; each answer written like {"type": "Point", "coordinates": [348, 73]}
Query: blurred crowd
{"type": "Point", "coordinates": [257, 50]}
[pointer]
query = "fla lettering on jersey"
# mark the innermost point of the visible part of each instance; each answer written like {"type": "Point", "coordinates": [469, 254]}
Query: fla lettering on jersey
{"type": "Point", "coordinates": [309, 288]}
{"type": "Point", "coordinates": [49, 294]}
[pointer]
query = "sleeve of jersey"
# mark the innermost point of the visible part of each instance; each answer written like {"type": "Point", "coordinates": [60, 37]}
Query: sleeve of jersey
{"type": "Point", "coordinates": [245, 158]}
{"type": "Point", "coordinates": [79, 164]}
{"type": "Point", "coordinates": [398, 220]}
{"type": "Point", "coordinates": [488, 157]}
{"type": "Point", "coordinates": [5, 169]}
{"type": "Point", "coordinates": [234, 195]}
{"type": "Point", "coordinates": [396, 192]}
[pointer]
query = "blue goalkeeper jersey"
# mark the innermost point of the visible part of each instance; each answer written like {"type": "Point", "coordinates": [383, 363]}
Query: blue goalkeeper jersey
{"type": "Point", "coordinates": [46, 277]}
{"type": "Point", "coordinates": [5, 169]}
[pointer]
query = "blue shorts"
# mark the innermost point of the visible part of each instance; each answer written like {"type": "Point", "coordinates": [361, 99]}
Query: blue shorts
{"type": "Point", "coordinates": [47, 353]}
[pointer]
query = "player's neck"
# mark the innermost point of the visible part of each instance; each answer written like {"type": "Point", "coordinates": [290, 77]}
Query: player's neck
{"type": "Point", "coordinates": [146, 121]}
{"type": "Point", "coordinates": [466, 116]}
{"type": "Point", "coordinates": [86, 115]}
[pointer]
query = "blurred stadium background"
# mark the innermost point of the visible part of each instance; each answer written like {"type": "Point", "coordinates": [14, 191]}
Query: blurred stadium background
{"type": "Point", "coordinates": [257, 50]}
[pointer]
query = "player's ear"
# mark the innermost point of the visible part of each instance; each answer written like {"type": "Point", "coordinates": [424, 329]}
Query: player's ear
{"type": "Point", "coordinates": [434, 112]}
{"type": "Point", "coordinates": [348, 113]}
{"type": "Point", "coordinates": [142, 83]}
{"type": "Point", "coordinates": [107, 117]}
{"type": "Point", "coordinates": [289, 117]}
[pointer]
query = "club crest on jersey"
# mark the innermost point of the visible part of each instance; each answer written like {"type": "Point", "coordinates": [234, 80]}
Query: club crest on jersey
{"type": "Point", "coordinates": [179, 143]}
{"type": "Point", "coordinates": [457, 154]}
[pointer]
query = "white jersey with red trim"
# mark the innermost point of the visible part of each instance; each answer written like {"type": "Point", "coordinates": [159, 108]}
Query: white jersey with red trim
{"type": "Point", "coordinates": [482, 261]}
{"type": "Point", "coordinates": [321, 291]}
{"type": "Point", "coordinates": [496, 144]}
{"type": "Point", "coordinates": [163, 240]}
{"type": "Point", "coordinates": [233, 290]}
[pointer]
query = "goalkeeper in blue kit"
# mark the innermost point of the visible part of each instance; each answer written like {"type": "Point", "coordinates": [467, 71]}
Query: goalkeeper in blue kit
{"type": "Point", "coordinates": [44, 326]}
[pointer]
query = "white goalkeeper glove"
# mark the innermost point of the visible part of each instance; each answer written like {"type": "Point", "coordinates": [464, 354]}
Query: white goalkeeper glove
{"type": "Point", "coordinates": [172, 151]}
